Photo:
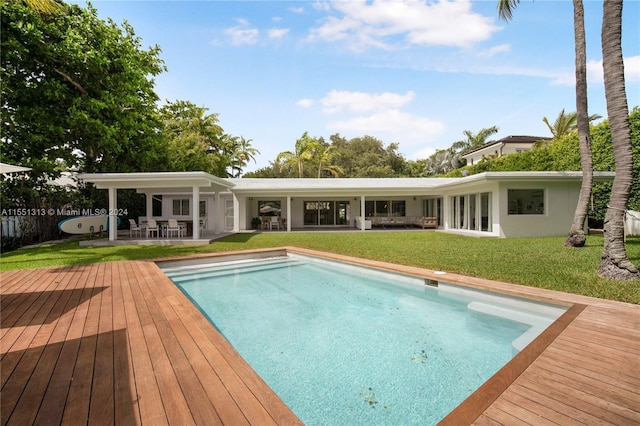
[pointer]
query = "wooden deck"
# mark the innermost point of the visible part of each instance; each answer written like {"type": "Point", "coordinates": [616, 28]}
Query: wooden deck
{"type": "Point", "coordinates": [119, 343]}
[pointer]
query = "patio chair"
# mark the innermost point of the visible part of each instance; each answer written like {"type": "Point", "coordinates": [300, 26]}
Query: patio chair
{"type": "Point", "coordinates": [152, 226]}
{"type": "Point", "coordinates": [173, 228]}
{"type": "Point", "coordinates": [275, 221]}
{"type": "Point", "coordinates": [134, 228]}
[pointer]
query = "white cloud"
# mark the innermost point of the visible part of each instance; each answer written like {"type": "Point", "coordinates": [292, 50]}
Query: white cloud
{"type": "Point", "coordinates": [337, 100]}
{"type": "Point", "coordinates": [407, 129]}
{"type": "Point", "coordinates": [380, 22]}
{"type": "Point", "coordinates": [243, 33]}
{"type": "Point", "coordinates": [305, 103]}
{"type": "Point", "coordinates": [595, 72]}
{"type": "Point", "coordinates": [492, 51]}
{"type": "Point", "coordinates": [278, 32]}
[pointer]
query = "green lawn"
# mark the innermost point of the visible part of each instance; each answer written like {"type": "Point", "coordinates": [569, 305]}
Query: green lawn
{"type": "Point", "coordinates": [537, 262]}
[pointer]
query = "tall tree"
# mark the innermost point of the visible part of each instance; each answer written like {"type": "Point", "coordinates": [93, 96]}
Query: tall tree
{"type": "Point", "coordinates": [325, 155]}
{"type": "Point", "coordinates": [567, 123]}
{"type": "Point", "coordinates": [42, 6]}
{"type": "Point", "coordinates": [442, 161]}
{"type": "Point", "coordinates": [240, 152]}
{"type": "Point", "coordinates": [614, 263]}
{"type": "Point", "coordinates": [576, 237]}
{"type": "Point", "coordinates": [302, 154]}
{"type": "Point", "coordinates": [474, 140]}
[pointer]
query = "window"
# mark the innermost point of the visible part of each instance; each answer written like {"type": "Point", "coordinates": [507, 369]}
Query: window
{"type": "Point", "coordinates": [156, 206]}
{"type": "Point", "coordinates": [181, 207]}
{"type": "Point", "coordinates": [471, 211]}
{"type": "Point", "coordinates": [525, 201]}
{"type": "Point", "coordinates": [385, 208]}
{"type": "Point", "coordinates": [326, 213]}
{"type": "Point", "coordinates": [269, 208]}
{"type": "Point", "coordinates": [203, 208]}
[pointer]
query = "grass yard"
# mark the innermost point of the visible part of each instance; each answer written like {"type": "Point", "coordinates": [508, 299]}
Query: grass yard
{"type": "Point", "coordinates": [537, 262]}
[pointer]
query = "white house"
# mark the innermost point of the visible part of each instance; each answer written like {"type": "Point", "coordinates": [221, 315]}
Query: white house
{"type": "Point", "coordinates": [508, 145]}
{"type": "Point", "coordinates": [494, 204]}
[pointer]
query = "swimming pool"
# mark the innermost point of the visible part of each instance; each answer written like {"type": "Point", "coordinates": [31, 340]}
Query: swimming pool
{"type": "Point", "coordinates": [343, 344]}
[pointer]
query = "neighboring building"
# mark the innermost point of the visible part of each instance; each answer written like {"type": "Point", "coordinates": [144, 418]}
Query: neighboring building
{"type": "Point", "coordinates": [508, 145]}
{"type": "Point", "coordinates": [494, 204]}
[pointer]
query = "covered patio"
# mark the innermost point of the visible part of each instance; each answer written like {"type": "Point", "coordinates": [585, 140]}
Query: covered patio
{"type": "Point", "coordinates": [192, 183]}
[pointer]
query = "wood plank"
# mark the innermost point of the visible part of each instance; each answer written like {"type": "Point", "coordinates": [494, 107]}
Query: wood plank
{"type": "Point", "coordinates": [579, 380]}
{"type": "Point", "coordinates": [101, 406]}
{"type": "Point", "coordinates": [510, 412]}
{"type": "Point", "coordinates": [549, 408]}
{"type": "Point", "coordinates": [78, 400]}
{"type": "Point", "coordinates": [27, 308]}
{"type": "Point", "coordinates": [147, 392]}
{"type": "Point", "coordinates": [125, 411]}
{"type": "Point", "coordinates": [52, 407]}
{"type": "Point", "coordinates": [48, 345]}
{"type": "Point", "coordinates": [225, 407]}
{"type": "Point", "coordinates": [175, 404]}
{"type": "Point", "coordinates": [587, 361]}
{"type": "Point", "coordinates": [201, 408]}
{"type": "Point", "coordinates": [596, 406]}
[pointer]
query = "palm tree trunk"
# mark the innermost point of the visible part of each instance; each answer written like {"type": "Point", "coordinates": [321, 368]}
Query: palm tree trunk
{"type": "Point", "coordinates": [576, 237]}
{"type": "Point", "coordinates": [614, 263]}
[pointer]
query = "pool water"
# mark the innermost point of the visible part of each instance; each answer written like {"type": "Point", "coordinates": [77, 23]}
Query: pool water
{"type": "Point", "coordinates": [346, 345]}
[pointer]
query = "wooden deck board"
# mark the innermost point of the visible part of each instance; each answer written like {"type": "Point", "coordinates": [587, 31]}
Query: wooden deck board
{"type": "Point", "coordinates": [119, 343]}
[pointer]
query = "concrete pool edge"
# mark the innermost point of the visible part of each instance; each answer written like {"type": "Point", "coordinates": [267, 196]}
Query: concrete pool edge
{"type": "Point", "coordinates": [483, 397]}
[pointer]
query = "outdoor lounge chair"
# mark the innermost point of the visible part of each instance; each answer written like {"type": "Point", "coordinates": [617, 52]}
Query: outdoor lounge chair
{"type": "Point", "coordinates": [152, 226]}
{"type": "Point", "coordinates": [275, 221]}
{"type": "Point", "coordinates": [134, 228]}
{"type": "Point", "coordinates": [173, 228]}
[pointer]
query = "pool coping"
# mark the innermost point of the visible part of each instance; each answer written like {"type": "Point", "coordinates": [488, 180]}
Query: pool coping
{"type": "Point", "coordinates": [481, 399]}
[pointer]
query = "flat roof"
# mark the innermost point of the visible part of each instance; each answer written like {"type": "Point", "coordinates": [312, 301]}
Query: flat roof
{"type": "Point", "coordinates": [157, 180]}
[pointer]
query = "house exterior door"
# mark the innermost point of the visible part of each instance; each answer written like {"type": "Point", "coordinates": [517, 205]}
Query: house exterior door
{"type": "Point", "coordinates": [228, 214]}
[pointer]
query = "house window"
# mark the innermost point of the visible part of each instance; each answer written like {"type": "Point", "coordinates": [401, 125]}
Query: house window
{"type": "Point", "coordinates": [203, 208]}
{"type": "Point", "coordinates": [181, 207]}
{"type": "Point", "coordinates": [269, 208]}
{"type": "Point", "coordinates": [472, 212]}
{"type": "Point", "coordinates": [317, 213]}
{"type": "Point", "coordinates": [156, 206]}
{"type": "Point", "coordinates": [525, 201]}
{"type": "Point", "coordinates": [385, 208]}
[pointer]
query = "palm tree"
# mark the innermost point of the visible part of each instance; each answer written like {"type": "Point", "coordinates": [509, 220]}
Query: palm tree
{"type": "Point", "coordinates": [305, 147]}
{"type": "Point", "coordinates": [614, 263]}
{"type": "Point", "coordinates": [42, 6]}
{"type": "Point", "coordinates": [443, 161]}
{"type": "Point", "coordinates": [474, 140]}
{"type": "Point", "coordinates": [567, 123]}
{"type": "Point", "coordinates": [576, 237]}
{"type": "Point", "coordinates": [324, 155]}
{"type": "Point", "coordinates": [240, 152]}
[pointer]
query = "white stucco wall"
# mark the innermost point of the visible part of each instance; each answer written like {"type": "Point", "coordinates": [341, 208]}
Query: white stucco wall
{"type": "Point", "coordinates": [560, 200]}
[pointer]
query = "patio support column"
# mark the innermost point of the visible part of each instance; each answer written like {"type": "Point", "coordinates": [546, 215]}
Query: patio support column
{"type": "Point", "coordinates": [196, 213]}
{"type": "Point", "coordinates": [113, 217]}
{"type": "Point", "coordinates": [288, 213]}
{"type": "Point", "coordinates": [217, 221]}
{"type": "Point", "coordinates": [149, 203]}
{"type": "Point", "coordinates": [236, 213]}
{"type": "Point", "coordinates": [362, 222]}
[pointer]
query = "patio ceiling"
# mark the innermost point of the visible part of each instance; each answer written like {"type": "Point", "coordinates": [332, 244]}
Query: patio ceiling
{"type": "Point", "coordinates": [165, 181]}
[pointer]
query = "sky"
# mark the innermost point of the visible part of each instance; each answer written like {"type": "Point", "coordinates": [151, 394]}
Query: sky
{"type": "Point", "coordinates": [416, 73]}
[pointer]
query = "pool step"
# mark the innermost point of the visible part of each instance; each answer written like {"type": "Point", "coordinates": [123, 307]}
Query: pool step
{"type": "Point", "coordinates": [220, 270]}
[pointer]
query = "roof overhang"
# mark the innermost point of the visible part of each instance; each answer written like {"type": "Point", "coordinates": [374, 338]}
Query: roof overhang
{"type": "Point", "coordinates": [157, 181]}
{"type": "Point", "coordinates": [10, 168]}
